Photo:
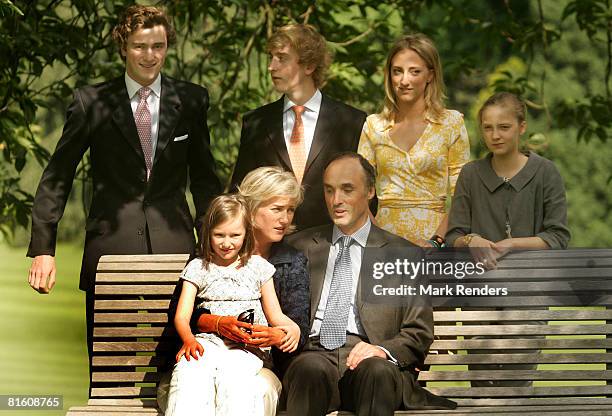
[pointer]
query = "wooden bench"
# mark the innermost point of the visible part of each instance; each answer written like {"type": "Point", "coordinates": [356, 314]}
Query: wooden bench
{"type": "Point", "coordinates": [131, 332]}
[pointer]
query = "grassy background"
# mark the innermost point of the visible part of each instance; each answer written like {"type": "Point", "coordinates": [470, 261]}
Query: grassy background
{"type": "Point", "coordinates": [42, 346]}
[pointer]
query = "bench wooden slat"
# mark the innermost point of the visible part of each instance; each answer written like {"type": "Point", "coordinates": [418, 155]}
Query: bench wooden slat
{"type": "Point", "coordinates": [515, 375]}
{"type": "Point", "coordinates": [150, 277]}
{"type": "Point", "coordinates": [517, 410]}
{"type": "Point", "coordinates": [512, 344]}
{"type": "Point", "coordinates": [133, 332]}
{"type": "Point", "coordinates": [144, 267]}
{"type": "Point", "coordinates": [521, 391]}
{"type": "Point", "coordinates": [131, 346]}
{"type": "Point", "coordinates": [128, 361]}
{"type": "Point", "coordinates": [143, 289]}
{"type": "Point", "coordinates": [127, 409]}
{"type": "Point", "coordinates": [521, 300]}
{"type": "Point", "coordinates": [124, 392]}
{"type": "Point", "coordinates": [536, 274]}
{"type": "Point", "coordinates": [523, 330]}
{"type": "Point", "coordinates": [143, 258]}
{"type": "Point", "coordinates": [131, 304]}
{"type": "Point", "coordinates": [522, 315]}
{"type": "Point", "coordinates": [125, 376]}
{"type": "Point", "coordinates": [130, 318]}
{"type": "Point", "coordinates": [123, 402]}
{"type": "Point", "coordinates": [444, 359]}
{"type": "Point", "coordinates": [536, 401]}
{"type": "Point", "coordinates": [112, 412]}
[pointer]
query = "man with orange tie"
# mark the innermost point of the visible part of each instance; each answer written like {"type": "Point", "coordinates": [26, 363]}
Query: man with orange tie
{"type": "Point", "coordinates": [304, 129]}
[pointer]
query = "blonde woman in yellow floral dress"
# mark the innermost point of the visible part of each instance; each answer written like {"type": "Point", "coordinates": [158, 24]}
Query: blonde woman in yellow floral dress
{"type": "Point", "coordinates": [416, 145]}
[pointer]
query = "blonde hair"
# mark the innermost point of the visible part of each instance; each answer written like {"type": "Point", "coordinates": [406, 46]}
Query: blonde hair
{"type": "Point", "coordinates": [267, 182]}
{"type": "Point", "coordinates": [309, 45]}
{"type": "Point", "coordinates": [434, 91]}
{"type": "Point", "coordinates": [225, 208]}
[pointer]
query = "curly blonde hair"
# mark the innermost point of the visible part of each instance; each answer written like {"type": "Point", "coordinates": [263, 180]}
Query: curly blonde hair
{"type": "Point", "coordinates": [309, 45]}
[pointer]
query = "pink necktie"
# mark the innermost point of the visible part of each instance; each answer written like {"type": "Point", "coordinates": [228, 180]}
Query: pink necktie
{"type": "Point", "coordinates": [143, 125]}
{"type": "Point", "coordinates": [297, 152]}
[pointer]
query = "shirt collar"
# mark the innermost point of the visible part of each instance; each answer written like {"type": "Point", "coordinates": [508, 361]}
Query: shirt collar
{"type": "Point", "coordinates": [360, 236]}
{"type": "Point", "coordinates": [313, 104]}
{"type": "Point", "coordinates": [519, 181]}
{"type": "Point", "coordinates": [133, 86]}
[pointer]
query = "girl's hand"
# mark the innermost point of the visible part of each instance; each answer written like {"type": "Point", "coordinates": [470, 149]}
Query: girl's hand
{"type": "Point", "coordinates": [484, 251]}
{"type": "Point", "coordinates": [290, 341]}
{"type": "Point", "coordinates": [190, 348]}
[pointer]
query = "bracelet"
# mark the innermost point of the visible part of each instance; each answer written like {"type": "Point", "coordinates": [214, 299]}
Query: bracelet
{"type": "Point", "coordinates": [217, 324]}
{"type": "Point", "coordinates": [434, 243]}
{"type": "Point", "coordinates": [438, 241]}
{"type": "Point", "coordinates": [467, 239]}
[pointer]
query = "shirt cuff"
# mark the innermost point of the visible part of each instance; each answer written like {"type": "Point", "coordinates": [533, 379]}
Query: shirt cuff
{"type": "Point", "coordinates": [389, 356]}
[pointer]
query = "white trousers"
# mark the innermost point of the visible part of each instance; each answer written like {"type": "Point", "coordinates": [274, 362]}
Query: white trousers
{"type": "Point", "coordinates": [222, 382]}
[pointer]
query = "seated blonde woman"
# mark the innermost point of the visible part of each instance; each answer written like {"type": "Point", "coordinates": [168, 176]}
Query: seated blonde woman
{"type": "Point", "coordinates": [272, 196]}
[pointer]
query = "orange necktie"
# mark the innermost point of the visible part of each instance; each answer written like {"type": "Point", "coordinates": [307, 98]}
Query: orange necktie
{"type": "Point", "coordinates": [297, 152]}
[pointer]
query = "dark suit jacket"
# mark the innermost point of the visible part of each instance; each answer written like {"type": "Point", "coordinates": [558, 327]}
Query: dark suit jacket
{"type": "Point", "coordinates": [262, 144]}
{"type": "Point", "coordinates": [124, 204]}
{"type": "Point", "coordinates": [406, 331]}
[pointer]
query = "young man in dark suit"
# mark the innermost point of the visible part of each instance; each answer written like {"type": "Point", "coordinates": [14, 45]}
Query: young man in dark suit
{"type": "Point", "coordinates": [360, 356]}
{"type": "Point", "coordinates": [302, 130]}
{"type": "Point", "coordinates": [145, 133]}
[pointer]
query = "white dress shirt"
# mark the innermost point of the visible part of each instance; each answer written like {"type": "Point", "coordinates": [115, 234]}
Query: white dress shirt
{"type": "Point", "coordinates": [356, 250]}
{"type": "Point", "coordinates": [309, 118]}
{"type": "Point", "coordinates": [152, 101]}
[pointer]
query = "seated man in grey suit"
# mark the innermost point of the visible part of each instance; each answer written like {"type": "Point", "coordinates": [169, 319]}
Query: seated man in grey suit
{"type": "Point", "coordinates": [360, 356]}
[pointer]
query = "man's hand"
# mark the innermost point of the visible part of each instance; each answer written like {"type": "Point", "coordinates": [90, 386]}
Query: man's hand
{"type": "Point", "coordinates": [265, 336]}
{"type": "Point", "coordinates": [42, 273]}
{"type": "Point", "coordinates": [362, 351]}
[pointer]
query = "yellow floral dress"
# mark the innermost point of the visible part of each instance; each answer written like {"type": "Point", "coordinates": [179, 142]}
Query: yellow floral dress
{"type": "Point", "coordinates": [412, 186]}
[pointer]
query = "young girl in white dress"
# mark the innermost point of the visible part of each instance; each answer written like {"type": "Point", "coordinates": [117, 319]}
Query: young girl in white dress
{"type": "Point", "coordinates": [214, 375]}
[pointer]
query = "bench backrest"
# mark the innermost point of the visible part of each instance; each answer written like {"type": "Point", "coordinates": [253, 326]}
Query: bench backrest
{"type": "Point", "coordinates": [544, 321]}
{"type": "Point", "coordinates": [132, 334]}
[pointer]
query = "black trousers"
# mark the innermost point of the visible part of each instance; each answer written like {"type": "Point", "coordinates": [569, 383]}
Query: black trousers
{"type": "Point", "coordinates": [318, 381]}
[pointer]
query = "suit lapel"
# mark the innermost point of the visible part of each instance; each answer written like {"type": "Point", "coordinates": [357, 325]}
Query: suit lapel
{"type": "Point", "coordinates": [322, 133]}
{"type": "Point", "coordinates": [376, 239]}
{"type": "Point", "coordinates": [318, 254]}
{"type": "Point", "coordinates": [124, 118]}
{"type": "Point", "coordinates": [169, 114]}
{"type": "Point", "coordinates": [275, 132]}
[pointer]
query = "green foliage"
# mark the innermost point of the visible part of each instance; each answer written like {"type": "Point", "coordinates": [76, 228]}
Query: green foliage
{"type": "Point", "coordinates": [529, 47]}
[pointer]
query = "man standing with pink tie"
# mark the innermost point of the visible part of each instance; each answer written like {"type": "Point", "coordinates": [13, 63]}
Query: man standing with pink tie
{"type": "Point", "coordinates": [145, 133]}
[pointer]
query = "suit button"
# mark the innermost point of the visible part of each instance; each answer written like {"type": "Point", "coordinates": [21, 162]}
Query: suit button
{"type": "Point", "coordinates": [140, 231]}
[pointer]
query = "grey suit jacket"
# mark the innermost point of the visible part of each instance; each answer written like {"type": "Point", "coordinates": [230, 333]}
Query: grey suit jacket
{"type": "Point", "coordinates": [405, 331]}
